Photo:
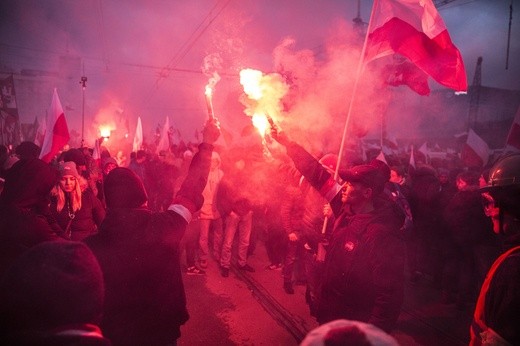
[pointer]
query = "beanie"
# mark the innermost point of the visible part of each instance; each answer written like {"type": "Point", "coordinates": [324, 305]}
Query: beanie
{"type": "Point", "coordinates": [68, 168]}
{"type": "Point", "coordinates": [124, 189]}
{"type": "Point", "coordinates": [53, 284]}
{"type": "Point", "coordinates": [28, 183]}
{"type": "Point", "coordinates": [28, 150]}
{"type": "Point", "coordinates": [76, 156]}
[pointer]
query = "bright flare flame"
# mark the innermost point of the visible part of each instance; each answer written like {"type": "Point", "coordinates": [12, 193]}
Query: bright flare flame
{"type": "Point", "coordinates": [105, 131]}
{"type": "Point", "coordinates": [209, 91]}
{"type": "Point", "coordinates": [250, 80]}
{"type": "Point", "coordinates": [260, 123]}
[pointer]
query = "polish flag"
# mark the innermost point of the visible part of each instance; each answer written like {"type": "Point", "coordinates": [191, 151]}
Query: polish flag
{"type": "Point", "coordinates": [138, 137]}
{"type": "Point", "coordinates": [57, 133]}
{"type": "Point", "coordinates": [164, 142]}
{"type": "Point", "coordinates": [415, 30]}
{"type": "Point", "coordinates": [475, 152]}
{"type": "Point", "coordinates": [513, 138]}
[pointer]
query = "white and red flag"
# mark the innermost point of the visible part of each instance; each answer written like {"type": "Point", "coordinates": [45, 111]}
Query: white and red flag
{"type": "Point", "coordinates": [164, 142]}
{"type": "Point", "coordinates": [513, 138]}
{"type": "Point", "coordinates": [415, 30]}
{"type": "Point", "coordinates": [475, 152]}
{"type": "Point", "coordinates": [138, 137]}
{"type": "Point", "coordinates": [57, 132]}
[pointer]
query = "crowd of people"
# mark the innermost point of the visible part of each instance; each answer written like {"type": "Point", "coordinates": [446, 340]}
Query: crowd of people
{"type": "Point", "coordinates": [353, 235]}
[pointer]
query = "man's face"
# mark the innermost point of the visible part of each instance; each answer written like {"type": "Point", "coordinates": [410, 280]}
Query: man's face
{"type": "Point", "coordinates": [354, 193]}
{"type": "Point", "coordinates": [461, 184]}
{"type": "Point", "coordinates": [444, 178]}
{"type": "Point", "coordinates": [491, 211]}
{"type": "Point", "coordinates": [395, 177]}
{"type": "Point", "coordinates": [109, 167]}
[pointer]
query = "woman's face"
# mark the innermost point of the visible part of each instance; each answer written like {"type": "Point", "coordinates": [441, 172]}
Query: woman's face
{"type": "Point", "coordinates": [68, 183]}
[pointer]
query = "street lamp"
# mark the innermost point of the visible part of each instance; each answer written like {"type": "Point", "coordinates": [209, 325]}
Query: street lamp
{"type": "Point", "coordinates": [83, 82]}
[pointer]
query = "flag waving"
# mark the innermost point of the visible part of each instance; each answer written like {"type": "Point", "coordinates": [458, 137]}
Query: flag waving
{"type": "Point", "coordinates": [57, 133]}
{"type": "Point", "coordinates": [475, 152]}
{"type": "Point", "coordinates": [415, 30]}
{"type": "Point", "coordinates": [138, 138]}
{"type": "Point", "coordinates": [164, 142]}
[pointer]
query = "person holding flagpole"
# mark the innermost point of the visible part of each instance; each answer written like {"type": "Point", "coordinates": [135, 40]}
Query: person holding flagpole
{"type": "Point", "coordinates": [363, 272]}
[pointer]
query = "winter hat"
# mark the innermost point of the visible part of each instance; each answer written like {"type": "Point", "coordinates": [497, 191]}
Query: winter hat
{"type": "Point", "coordinates": [124, 189]}
{"type": "Point", "coordinates": [367, 175]}
{"type": "Point", "coordinates": [68, 168]}
{"type": "Point", "coordinates": [382, 166]}
{"type": "Point", "coordinates": [76, 156]}
{"type": "Point", "coordinates": [53, 284]}
{"type": "Point", "coordinates": [346, 332]}
{"type": "Point", "coordinates": [109, 160]}
{"type": "Point", "coordinates": [28, 183]}
{"type": "Point", "coordinates": [26, 150]}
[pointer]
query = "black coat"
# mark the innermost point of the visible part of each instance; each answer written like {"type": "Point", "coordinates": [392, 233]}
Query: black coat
{"type": "Point", "coordinates": [138, 252]}
{"type": "Point", "coordinates": [363, 275]}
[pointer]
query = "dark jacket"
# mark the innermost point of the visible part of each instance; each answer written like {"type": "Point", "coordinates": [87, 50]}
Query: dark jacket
{"type": "Point", "coordinates": [138, 251]}
{"type": "Point", "coordinates": [363, 273]}
{"type": "Point", "coordinates": [25, 218]}
{"type": "Point", "coordinates": [86, 220]}
{"type": "Point", "coordinates": [467, 223]}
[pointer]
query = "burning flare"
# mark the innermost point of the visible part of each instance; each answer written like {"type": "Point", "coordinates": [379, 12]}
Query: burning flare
{"type": "Point", "coordinates": [264, 94]}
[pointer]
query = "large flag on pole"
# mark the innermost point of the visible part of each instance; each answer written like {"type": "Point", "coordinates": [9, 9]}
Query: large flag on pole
{"type": "Point", "coordinates": [164, 142]}
{"type": "Point", "coordinates": [138, 137]}
{"type": "Point", "coordinates": [57, 133]}
{"type": "Point", "coordinates": [513, 138]}
{"type": "Point", "coordinates": [415, 30]}
{"type": "Point", "coordinates": [475, 152]}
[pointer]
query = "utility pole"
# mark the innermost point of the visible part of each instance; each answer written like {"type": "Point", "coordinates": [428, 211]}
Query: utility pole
{"type": "Point", "coordinates": [474, 95]}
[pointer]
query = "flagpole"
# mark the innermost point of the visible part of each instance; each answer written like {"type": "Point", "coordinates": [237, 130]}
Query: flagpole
{"type": "Point", "coordinates": [354, 91]}
{"type": "Point", "coordinates": [349, 113]}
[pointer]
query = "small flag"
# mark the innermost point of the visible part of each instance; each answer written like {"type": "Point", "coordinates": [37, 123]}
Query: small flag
{"type": "Point", "coordinates": [475, 152]}
{"type": "Point", "coordinates": [164, 142]}
{"type": "Point", "coordinates": [57, 134]}
{"type": "Point", "coordinates": [138, 137]}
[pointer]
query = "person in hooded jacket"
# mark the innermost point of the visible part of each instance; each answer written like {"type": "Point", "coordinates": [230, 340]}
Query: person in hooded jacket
{"type": "Point", "coordinates": [363, 271]}
{"type": "Point", "coordinates": [138, 251]}
{"type": "Point", "coordinates": [25, 218]}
